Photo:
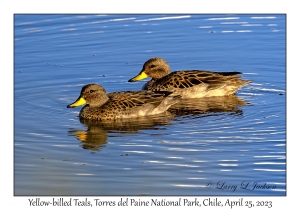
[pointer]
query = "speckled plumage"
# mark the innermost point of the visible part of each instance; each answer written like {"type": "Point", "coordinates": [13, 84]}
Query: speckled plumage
{"type": "Point", "coordinates": [189, 83]}
{"type": "Point", "coordinates": [117, 105]}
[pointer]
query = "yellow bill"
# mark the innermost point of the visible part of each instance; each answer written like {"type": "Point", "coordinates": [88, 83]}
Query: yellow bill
{"type": "Point", "coordinates": [80, 101]}
{"type": "Point", "coordinates": [141, 76]}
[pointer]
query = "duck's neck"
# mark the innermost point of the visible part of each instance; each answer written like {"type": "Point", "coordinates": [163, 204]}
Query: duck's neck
{"type": "Point", "coordinates": [161, 72]}
{"type": "Point", "coordinates": [148, 85]}
{"type": "Point", "coordinates": [99, 102]}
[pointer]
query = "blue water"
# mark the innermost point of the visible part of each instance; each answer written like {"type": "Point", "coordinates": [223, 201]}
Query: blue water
{"type": "Point", "coordinates": [209, 152]}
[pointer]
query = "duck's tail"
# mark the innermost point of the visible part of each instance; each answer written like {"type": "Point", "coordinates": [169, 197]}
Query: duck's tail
{"type": "Point", "coordinates": [229, 73]}
{"type": "Point", "coordinates": [167, 102]}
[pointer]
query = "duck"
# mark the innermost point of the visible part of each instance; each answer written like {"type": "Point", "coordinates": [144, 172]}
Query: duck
{"type": "Point", "coordinates": [101, 106]}
{"type": "Point", "coordinates": [188, 83]}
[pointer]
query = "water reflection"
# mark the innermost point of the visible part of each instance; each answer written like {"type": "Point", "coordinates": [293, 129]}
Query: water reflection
{"type": "Point", "coordinates": [208, 105]}
{"type": "Point", "coordinates": [95, 137]}
{"type": "Point", "coordinates": [97, 133]}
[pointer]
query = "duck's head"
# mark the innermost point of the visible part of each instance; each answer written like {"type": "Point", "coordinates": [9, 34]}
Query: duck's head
{"type": "Point", "coordinates": [92, 94]}
{"type": "Point", "coordinates": [155, 68]}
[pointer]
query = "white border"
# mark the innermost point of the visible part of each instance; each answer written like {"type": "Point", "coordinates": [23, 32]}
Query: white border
{"type": "Point", "coordinates": [9, 8]}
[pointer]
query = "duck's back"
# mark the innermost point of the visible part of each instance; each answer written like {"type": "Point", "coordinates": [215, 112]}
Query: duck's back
{"type": "Point", "coordinates": [197, 83]}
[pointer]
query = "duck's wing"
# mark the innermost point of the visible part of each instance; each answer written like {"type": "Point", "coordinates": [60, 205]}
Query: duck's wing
{"type": "Point", "coordinates": [191, 78]}
{"type": "Point", "coordinates": [131, 99]}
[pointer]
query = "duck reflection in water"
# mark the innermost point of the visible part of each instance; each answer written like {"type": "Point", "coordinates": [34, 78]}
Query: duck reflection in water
{"type": "Point", "coordinates": [97, 133]}
{"type": "Point", "coordinates": [95, 137]}
{"type": "Point", "coordinates": [208, 106]}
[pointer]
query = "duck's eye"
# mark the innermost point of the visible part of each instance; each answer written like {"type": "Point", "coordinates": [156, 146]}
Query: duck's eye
{"type": "Point", "coordinates": [152, 66]}
{"type": "Point", "coordinates": [91, 91]}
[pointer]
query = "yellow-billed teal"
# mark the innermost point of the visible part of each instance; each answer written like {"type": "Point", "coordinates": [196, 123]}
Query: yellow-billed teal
{"type": "Point", "coordinates": [188, 83]}
{"type": "Point", "coordinates": [117, 105]}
